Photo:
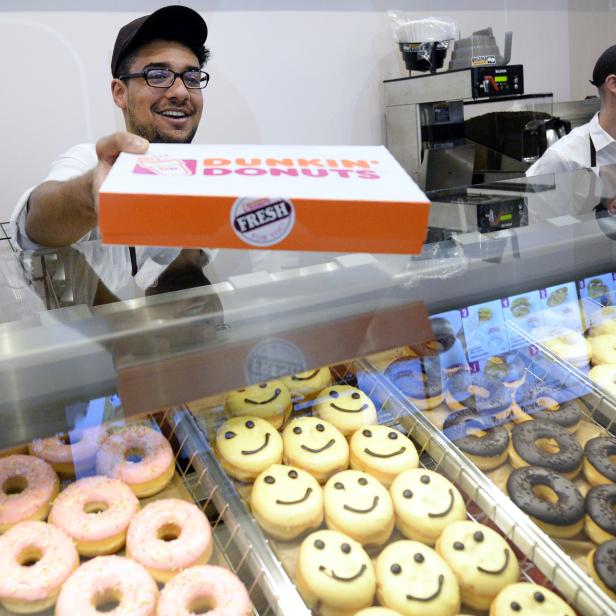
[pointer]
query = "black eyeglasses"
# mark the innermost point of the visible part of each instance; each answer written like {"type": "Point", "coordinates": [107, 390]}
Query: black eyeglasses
{"type": "Point", "coordinates": [165, 78]}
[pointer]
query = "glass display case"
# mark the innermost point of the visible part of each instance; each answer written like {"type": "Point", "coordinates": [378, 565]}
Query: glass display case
{"type": "Point", "coordinates": [491, 351]}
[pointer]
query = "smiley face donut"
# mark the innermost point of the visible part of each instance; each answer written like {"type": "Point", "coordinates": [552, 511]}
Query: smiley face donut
{"type": "Point", "coordinates": [359, 505]}
{"type": "Point", "coordinates": [600, 523]}
{"type": "Point", "coordinates": [414, 580]}
{"type": "Point", "coordinates": [481, 560]}
{"type": "Point", "coordinates": [315, 446]}
{"type": "Point", "coordinates": [309, 383]}
{"type": "Point", "coordinates": [348, 408]}
{"type": "Point", "coordinates": [599, 453]}
{"type": "Point", "coordinates": [541, 401]}
{"type": "Point", "coordinates": [425, 503]}
{"type": "Point", "coordinates": [419, 379]}
{"type": "Point", "coordinates": [601, 566]}
{"type": "Point", "coordinates": [524, 599]}
{"type": "Point", "coordinates": [286, 501]}
{"type": "Point", "coordinates": [334, 573]}
{"type": "Point", "coordinates": [382, 452]}
{"type": "Point", "coordinates": [377, 611]}
{"type": "Point", "coordinates": [246, 446]}
{"type": "Point", "coordinates": [271, 401]}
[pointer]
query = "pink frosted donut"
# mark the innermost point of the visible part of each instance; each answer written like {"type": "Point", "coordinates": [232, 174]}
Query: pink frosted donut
{"type": "Point", "coordinates": [106, 581]}
{"type": "Point", "coordinates": [27, 487]}
{"type": "Point", "coordinates": [64, 456]}
{"type": "Point", "coordinates": [95, 512]}
{"type": "Point", "coordinates": [35, 560]}
{"type": "Point", "coordinates": [168, 536]}
{"type": "Point", "coordinates": [209, 588]}
{"type": "Point", "coordinates": [140, 457]}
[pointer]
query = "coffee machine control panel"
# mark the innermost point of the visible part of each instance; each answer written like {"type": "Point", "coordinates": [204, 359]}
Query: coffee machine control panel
{"type": "Point", "coordinates": [497, 81]}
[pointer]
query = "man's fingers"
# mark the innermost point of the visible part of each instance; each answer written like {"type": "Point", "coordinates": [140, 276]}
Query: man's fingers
{"type": "Point", "coordinates": [108, 148]}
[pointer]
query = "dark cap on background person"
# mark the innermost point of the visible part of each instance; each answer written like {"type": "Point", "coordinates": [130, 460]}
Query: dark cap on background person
{"type": "Point", "coordinates": [605, 66]}
{"type": "Point", "coordinates": [173, 23]}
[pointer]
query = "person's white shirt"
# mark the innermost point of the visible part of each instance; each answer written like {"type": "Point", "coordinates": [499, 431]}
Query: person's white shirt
{"type": "Point", "coordinates": [573, 151]}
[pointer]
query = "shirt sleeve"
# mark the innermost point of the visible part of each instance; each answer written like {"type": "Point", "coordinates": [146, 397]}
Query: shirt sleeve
{"type": "Point", "coordinates": [551, 162]}
{"type": "Point", "coordinates": [73, 163]}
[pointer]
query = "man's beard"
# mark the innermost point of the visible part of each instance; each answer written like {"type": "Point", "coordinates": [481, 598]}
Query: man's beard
{"type": "Point", "coordinates": [153, 135]}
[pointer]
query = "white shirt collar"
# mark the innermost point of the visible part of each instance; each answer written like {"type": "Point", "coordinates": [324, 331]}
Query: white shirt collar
{"type": "Point", "coordinates": [600, 137]}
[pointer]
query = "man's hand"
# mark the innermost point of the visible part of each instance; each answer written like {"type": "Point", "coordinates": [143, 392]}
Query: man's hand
{"type": "Point", "coordinates": [108, 149]}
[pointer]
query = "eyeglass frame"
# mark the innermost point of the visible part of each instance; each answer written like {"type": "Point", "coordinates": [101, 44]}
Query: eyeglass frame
{"type": "Point", "coordinates": [144, 75]}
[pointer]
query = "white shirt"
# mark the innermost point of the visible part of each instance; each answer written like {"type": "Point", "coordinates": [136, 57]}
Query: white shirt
{"type": "Point", "coordinates": [572, 151]}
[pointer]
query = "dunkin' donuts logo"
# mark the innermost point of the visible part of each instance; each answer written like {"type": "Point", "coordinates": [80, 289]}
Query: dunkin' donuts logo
{"type": "Point", "coordinates": [262, 222]}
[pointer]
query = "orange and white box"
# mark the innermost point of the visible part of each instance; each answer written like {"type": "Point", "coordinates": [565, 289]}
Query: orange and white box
{"type": "Point", "coordinates": [309, 198]}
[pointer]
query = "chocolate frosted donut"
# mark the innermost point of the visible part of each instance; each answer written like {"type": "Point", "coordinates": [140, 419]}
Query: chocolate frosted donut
{"type": "Point", "coordinates": [602, 561]}
{"type": "Point", "coordinates": [460, 426]}
{"type": "Point", "coordinates": [600, 503]}
{"type": "Point", "coordinates": [598, 452]}
{"type": "Point", "coordinates": [524, 450]}
{"type": "Point", "coordinates": [508, 368]}
{"type": "Point", "coordinates": [418, 379]}
{"type": "Point", "coordinates": [537, 400]}
{"type": "Point", "coordinates": [566, 513]}
{"type": "Point", "coordinates": [480, 395]}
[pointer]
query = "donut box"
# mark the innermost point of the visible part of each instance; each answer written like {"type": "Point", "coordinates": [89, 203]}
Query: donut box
{"type": "Point", "coordinates": [308, 198]}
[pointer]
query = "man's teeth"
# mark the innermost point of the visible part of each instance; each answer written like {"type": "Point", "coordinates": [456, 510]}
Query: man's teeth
{"type": "Point", "coordinates": [174, 114]}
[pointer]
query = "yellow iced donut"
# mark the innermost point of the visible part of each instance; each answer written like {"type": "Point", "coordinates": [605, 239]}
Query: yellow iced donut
{"type": "Point", "coordinates": [316, 446]}
{"type": "Point", "coordinates": [382, 452]}
{"type": "Point", "coordinates": [605, 377]}
{"type": "Point", "coordinates": [603, 349]}
{"type": "Point", "coordinates": [565, 343]}
{"type": "Point", "coordinates": [308, 384]}
{"type": "Point", "coordinates": [246, 446]}
{"type": "Point", "coordinates": [271, 401]}
{"type": "Point", "coordinates": [524, 599]}
{"type": "Point", "coordinates": [414, 580]}
{"type": "Point", "coordinates": [348, 408]}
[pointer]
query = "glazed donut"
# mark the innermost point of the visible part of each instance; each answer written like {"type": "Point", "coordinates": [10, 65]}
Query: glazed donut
{"type": "Point", "coordinates": [480, 395]}
{"type": "Point", "coordinates": [605, 377]}
{"type": "Point", "coordinates": [508, 369]}
{"type": "Point", "coordinates": [603, 321]}
{"type": "Point", "coordinates": [601, 566]}
{"type": "Point", "coordinates": [528, 600]}
{"type": "Point", "coordinates": [95, 512]}
{"type": "Point", "coordinates": [35, 560]}
{"type": "Point", "coordinates": [600, 523]}
{"type": "Point", "coordinates": [565, 343]}
{"type": "Point", "coordinates": [603, 349]}
{"type": "Point", "coordinates": [167, 536]}
{"type": "Point", "coordinates": [308, 384]}
{"type": "Point", "coordinates": [154, 466]}
{"type": "Point", "coordinates": [541, 401]}
{"type": "Point", "coordinates": [108, 580]}
{"type": "Point", "coordinates": [210, 589]}
{"type": "Point", "coordinates": [546, 444]}
{"type": "Point", "coordinates": [484, 443]}
{"type": "Point", "coordinates": [599, 455]}
{"type": "Point", "coordinates": [28, 486]}
{"type": "Point", "coordinates": [63, 456]}
{"type": "Point", "coordinates": [552, 501]}
{"type": "Point", "coordinates": [420, 380]}
{"type": "Point", "coordinates": [270, 401]}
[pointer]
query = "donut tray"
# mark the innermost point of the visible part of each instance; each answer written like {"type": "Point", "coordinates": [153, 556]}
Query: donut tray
{"type": "Point", "coordinates": [556, 565]}
{"type": "Point", "coordinates": [277, 583]}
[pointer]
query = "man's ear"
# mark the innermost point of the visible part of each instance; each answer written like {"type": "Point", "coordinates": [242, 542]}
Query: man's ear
{"type": "Point", "coordinates": [610, 84]}
{"type": "Point", "coordinates": [119, 93]}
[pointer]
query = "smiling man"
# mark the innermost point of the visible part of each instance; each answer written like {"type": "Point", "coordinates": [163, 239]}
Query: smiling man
{"type": "Point", "coordinates": [158, 78]}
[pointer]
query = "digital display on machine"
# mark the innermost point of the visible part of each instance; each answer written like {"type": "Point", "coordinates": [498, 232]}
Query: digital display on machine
{"type": "Point", "coordinates": [501, 78]}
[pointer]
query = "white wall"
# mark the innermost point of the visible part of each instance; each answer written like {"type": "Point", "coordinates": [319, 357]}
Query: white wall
{"type": "Point", "coordinates": [293, 71]}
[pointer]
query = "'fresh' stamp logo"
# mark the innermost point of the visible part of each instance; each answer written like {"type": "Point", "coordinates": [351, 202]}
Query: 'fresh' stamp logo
{"type": "Point", "coordinates": [262, 222]}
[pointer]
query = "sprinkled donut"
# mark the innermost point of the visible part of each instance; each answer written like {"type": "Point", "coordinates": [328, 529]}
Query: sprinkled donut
{"type": "Point", "coordinates": [601, 566]}
{"type": "Point", "coordinates": [541, 401]}
{"type": "Point", "coordinates": [418, 379]}
{"type": "Point", "coordinates": [35, 560]}
{"type": "Point", "coordinates": [508, 369]}
{"type": "Point", "coordinates": [552, 501]}
{"type": "Point", "coordinates": [206, 589]}
{"type": "Point", "coordinates": [153, 467]}
{"type": "Point", "coordinates": [167, 536]}
{"type": "Point", "coordinates": [479, 394]}
{"type": "Point", "coordinates": [95, 512]}
{"type": "Point", "coordinates": [28, 485]}
{"type": "Point", "coordinates": [546, 444]}
{"type": "Point", "coordinates": [601, 513]}
{"type": "Point", "coordinates": [599, 467]}
{"type": "Point", "coordinates": [108, 580]}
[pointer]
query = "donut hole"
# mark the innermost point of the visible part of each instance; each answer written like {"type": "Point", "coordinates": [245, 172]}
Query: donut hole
{"type": "Point", "coordinates": [169, 532]}
{"type": "Point", "coordinates": [201, 605]}
{"type": "Point", "coordinates": [95, 507]}
{"type": "Point", "coordinates": [29, 556]}
{"type": "Point", "coordinates": [547, 445]}
{"type": "Point", "coordinates": [14, 485]}
{"type": "Point", "coordinates": [545, 493]}
{"type": "Point", "coordinates": [107, 600]}
{"type": "Point", "coordinates": [134, 454]}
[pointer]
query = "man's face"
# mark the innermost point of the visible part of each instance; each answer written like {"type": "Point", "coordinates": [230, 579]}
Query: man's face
{"type": "Point", "coordinates": [145, 107]}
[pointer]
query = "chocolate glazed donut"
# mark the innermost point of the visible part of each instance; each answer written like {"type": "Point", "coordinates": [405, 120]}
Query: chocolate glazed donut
{"type": "Point", "coordinates": [479, 394]}
{"type": "Point", "coordinates": [598, 452]}
{"type": "Point", "coordinates": [603, 562]}
{"type": "Point", "coordinates": [600, 502]}
{"type": "Point", "coordinates": [459, 425]}
{"type": "Point", "coordinates": [567, 511]}
{"type": "Point", "coordinates": [524, 437]}
{"type": "Point", "coordinates": [528, 398]}
{"type": "Point", "coordinates": [416, 378]}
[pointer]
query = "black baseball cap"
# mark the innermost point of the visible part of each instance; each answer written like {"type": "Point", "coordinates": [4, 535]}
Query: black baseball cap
{"type": "Point", "coordinates": [173, 23]}
{"type": "Point", "coordinates": [605, 66]}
